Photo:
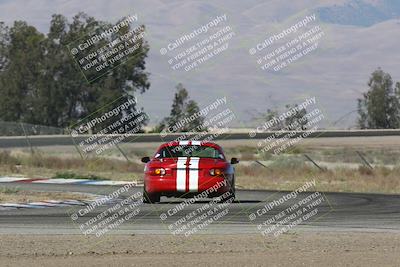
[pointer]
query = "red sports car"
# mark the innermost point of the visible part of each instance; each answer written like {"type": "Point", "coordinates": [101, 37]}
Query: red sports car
{"type": "Point", "coordinates": [187, 169]}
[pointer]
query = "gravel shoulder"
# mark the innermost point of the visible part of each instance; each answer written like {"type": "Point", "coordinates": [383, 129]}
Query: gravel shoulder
{"type": "Point", "coordinates": [294, 249]}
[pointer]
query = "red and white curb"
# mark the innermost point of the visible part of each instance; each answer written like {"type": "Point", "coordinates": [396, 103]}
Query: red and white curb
{"type": "Point", "coordinates": [10, 179]}
{"type": "Point", "coordinates": [59, 203]}
{"type": "Point", "coordinates": [54, 203]}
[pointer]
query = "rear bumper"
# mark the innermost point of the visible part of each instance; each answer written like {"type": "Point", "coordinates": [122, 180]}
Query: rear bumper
{"type": "Point", "coordinates": [167, 185]}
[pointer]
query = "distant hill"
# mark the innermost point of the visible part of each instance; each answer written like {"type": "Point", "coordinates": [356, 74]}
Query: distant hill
{"type": "Point", "coordinates": [359, 37]}
{"type": "Point", "coordinates": [360, 13]}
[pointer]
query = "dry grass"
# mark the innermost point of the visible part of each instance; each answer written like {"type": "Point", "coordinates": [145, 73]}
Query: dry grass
{"type": "Point", "coordinates": [378, 180]}
{"type": "Point", "coordinates": [42, 165]}
{"type": "Point", "coordinates": [287, 171]}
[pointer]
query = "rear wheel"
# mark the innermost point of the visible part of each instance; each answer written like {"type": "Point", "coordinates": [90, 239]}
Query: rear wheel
{"type": "Point", "coordinates": [233, 189]}
{"type": "Point", "coordinates": [232, 195]}
{"type": "Point", "coordinates": [232, 192]}
{"type": "Point", "coordinates": [150, 197]}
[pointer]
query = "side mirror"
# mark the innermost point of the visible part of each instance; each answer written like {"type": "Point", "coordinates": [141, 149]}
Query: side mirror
{"type": "Point", "coordinates": [234, 161]}
{"type": "Point", "coordinates": [145, 159]}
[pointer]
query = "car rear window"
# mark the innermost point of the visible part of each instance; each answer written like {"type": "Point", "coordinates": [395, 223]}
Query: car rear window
{"type": "Point", "coordinates": [190, 151]}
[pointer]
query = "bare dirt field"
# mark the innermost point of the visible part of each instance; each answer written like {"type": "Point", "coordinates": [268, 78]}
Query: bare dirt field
{"type": "Point", "coordinates": [294, 249]}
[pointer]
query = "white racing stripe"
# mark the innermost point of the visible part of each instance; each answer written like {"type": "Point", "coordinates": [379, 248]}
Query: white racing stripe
{"type": "Point", "coordinates": [186, 143]}
{"type": "Point", "coordinates": [181, 174]}
{"type": "Point", "coordinates": [181, 170]}
{"type": "Point", "coordinates": [183, 143]}
{"type": "Point", "coordinates": [194, 174]}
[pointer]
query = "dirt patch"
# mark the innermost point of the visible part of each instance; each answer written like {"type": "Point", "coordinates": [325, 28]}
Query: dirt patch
{"type": "Point", "coordinates": [296, 249]}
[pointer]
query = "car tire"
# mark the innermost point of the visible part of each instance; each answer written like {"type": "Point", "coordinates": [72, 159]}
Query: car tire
{"type": "Point", "coordinates": [233, 190]}
{"type": "Point", "coordinates": [150, 198]}
{"type": "Point", "coordinates": [231, 193]}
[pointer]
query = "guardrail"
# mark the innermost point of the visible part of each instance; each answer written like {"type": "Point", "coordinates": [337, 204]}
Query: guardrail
{"type": "Point", "coordinates": [50, 140]}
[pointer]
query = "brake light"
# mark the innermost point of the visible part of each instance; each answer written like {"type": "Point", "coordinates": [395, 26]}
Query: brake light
{"type": "Point", "coordinates": [216, 172]}
{"type": "Point", "coordinates": [157, 171]}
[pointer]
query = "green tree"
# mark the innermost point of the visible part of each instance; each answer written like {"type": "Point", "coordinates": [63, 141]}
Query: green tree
{"type": "Point", "coordinates": [184, 116]}
{"type": "Point", "coordinates": [269, 116]}
{"type": "Point", "coordinates": [298, 120]}
{"type": "Point", "coordinates": [41, 84]}
{"type": "Point", "coordinates": [379, 106]}
{"type": "Point", "coordinates": [4, 41]}
{"type": "Point", "coordinates": [18, 78]}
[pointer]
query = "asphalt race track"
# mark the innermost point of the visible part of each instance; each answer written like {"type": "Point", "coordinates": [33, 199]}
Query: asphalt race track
{"type": "Point", "coordinates": [339, 211]}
